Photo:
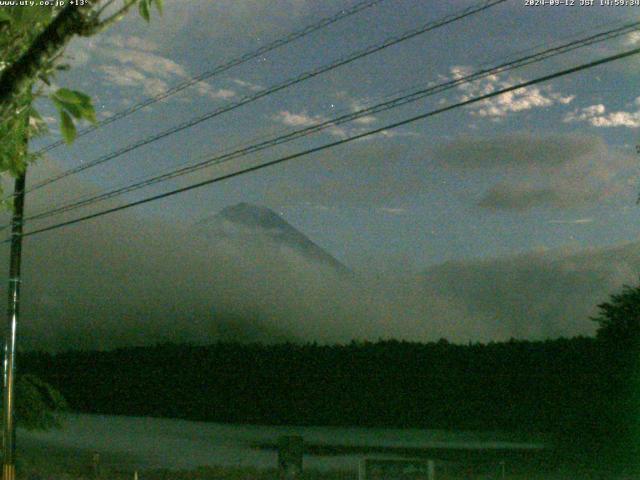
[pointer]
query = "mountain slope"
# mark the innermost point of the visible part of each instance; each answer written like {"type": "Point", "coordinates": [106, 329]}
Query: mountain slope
{"type": "Point", "coordinates": [248, 226]}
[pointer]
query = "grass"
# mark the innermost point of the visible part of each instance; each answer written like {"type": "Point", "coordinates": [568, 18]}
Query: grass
{"type": "Point", "coordinates": [216, 473]}
{"type": "Point", "coordinates": [68, 470]}
{"type": "Point", "coordinates": [42, 462]}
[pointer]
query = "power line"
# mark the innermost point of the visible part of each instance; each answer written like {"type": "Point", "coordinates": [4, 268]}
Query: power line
{"type": "Point", "coordinates": [486, 4]}
{"type": "Point", "coordinates": [407, 121]}
{"type": "Point", "coordinates": [232, 151]}
{"type": "Point", "coordinates": [339, 120]}
{"type": "Point", "coordinates": [325, 22]}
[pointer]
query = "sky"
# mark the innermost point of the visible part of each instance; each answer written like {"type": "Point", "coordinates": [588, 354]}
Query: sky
{"type": "Point", "coordinates": [522, 206]}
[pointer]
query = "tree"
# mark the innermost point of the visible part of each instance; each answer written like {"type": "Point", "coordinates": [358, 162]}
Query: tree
{"type": "Point", "coordinates": [32, 41]}
{"type": "Point", "coordinates": [619, 319]}
{"type": "Point", "coordinates": [619, 407]}
{"type": "Point", "coordinates": [39, 405]}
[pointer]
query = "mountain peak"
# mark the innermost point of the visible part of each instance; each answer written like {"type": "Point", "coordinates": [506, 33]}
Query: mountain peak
{"type": "Point", "coordinates": [253, 216]}
{"type": "Point", "coordinates": [246, 222]}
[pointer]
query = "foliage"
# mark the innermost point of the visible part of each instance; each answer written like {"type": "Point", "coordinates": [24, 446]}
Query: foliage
{"type": "Point", "coordinates": [145, 8]}
{"type": "Point", "coordinates": [571, 389]}
{"type": "Point", "coordinates": [619, 335]}
{"type": "Point", "coordinates": [39, 405]}
{"type": "Point", "coordinates": [18, 29]}
{"type": "Point", "coordinates": [498, 386]}
{"type": "Point", "coordinates": [567, 388]}
{"type": "Point", "coordinates": [72, 104]}
{"type": "Point", "coordinates": [619, 319]}
{"type": "Point", "coordinates": [32, 41]}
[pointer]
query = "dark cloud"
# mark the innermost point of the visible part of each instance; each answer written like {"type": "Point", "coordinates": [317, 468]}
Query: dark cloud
{"type": "Point", "coordinates": [542, 171]}
{"type": "Point", "coordinates": [517, 150]}
{"type": "Point", "coordinates": [523, 197]}
{"type": "Point", "coordinates": [373, 173]}
{"type": "Point", "coordinates": [120, 283]}
{"type": "Point", "coordinates": [527, 171]}
{"type": "Point", "coordinates": [124, 280]}
{"type": "Point", "coordinates": [539, 294]}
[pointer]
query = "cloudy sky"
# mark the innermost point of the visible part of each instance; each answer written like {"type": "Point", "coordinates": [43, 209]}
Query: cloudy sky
{"type": "Point", "coordinates": [540, 180]}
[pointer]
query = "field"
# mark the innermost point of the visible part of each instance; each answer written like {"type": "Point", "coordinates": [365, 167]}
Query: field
{"type": "Point", "coordinates": [49, 463]}
{"type": "Point", "coordinates": [169, 449]}
{"type": "Point", "coordinates": [246, 473]}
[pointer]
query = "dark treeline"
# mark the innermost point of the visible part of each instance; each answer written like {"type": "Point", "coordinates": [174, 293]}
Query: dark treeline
{"type": "Point", "coordinates": [575, 388]}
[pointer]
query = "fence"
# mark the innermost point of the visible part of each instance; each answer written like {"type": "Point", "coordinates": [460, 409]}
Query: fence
{"type": "Point", "coordinates": [378, 466]}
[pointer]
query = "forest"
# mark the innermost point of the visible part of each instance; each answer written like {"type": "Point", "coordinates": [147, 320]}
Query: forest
{"type": "Point", "coordinates": [580, 391]}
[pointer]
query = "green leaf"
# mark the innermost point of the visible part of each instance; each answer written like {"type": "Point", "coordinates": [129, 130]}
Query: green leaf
{"type": "Point", "coordinates": [74, 103]}
{"type": "Point", "coordinates": [84, 98]}
{"type": "Point", "coordinates": [89, 113]}
{"type": "Point", "coordinates": [71, 108]}
{"type": "Point", "coordinates": [143, 6]}
{"type": "Point", "coordinates": [5, 17]}
{"type": "Point", "coordinates": [71, 96]}
{"type": "Point", "coordinates": [159, 5]}
{"type": "Point", "coordinates": [67, 127]}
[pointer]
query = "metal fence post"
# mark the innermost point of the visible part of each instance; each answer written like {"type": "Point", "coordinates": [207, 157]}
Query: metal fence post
{"type": "Point", "coordinates": [95, 463]}
{"type": "Point", "coordinates": [290, 450]}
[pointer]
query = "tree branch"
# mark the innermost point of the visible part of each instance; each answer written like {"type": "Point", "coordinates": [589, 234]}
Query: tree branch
{"type": "Point", "coordinates": [72, 20]}
{"type": "Point", "coordinates": [116, 17]}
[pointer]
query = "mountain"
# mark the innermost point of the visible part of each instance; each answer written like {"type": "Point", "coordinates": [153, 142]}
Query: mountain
{"type": "Point", "coordinates": [248, 226]}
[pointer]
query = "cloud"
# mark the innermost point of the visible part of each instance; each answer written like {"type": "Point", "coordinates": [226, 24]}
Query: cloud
{"type": "Point", "coordinates": [370, 175]}
{"type": "Point", "coordinates": [578, 221]}
{"type": "Point", "coordinates": [86, 287]}
{"type": "Point", "coordinates": [136, 63]}
{"type": "Point", "coordinates": [538, 294]}
{"type": "Point", "coordinates": [205, 90]}
{"type": "Point", "coordinates": [355, 127]}
{"type": "Point", "coordinates": [105, 113]}
{"type": "Point", "coordinates": [131, 77]}
{"type": "Point", "coordinates": [597, 116]}
{"type": "Point", "coordinates": [132, 41]}
{"type": "Point", "coordinates": [542, 171]}
{"type": "Point", "coordinates": [296, 119]}
{"type": "Point", "coordinates": [386, 134]}
{"type": "Point", "coordinates": [254, 87]}
{"type": "Point", "coordinates": [393, 211]}
{"type": "Point", "coordinates": [102, 292]}
{"type": "Point", "coordinates": [355, 106]}
{"type": "Point", "coordinates": [147, 62]}
{"type": "Point", "coordinates": [259, 21]}
{"type": "Point", "coordinates": [301, 120]}
{"type": "Point", "coordinates": [516, 150]}
{"type": "Point", "coordinates": [514, 101]}
{"type": "Point", "coordinates": [366, 120]}
{"type": "Point", "coordinates": [509, 172]}
{"type": "Point", "coordinates": [525, 196]}
{"type": "Point", "coordinates": [631, 39]}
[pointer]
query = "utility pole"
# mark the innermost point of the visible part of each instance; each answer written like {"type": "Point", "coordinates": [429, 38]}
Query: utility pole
{"type": "Point", "coordinates": [8, 423]}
